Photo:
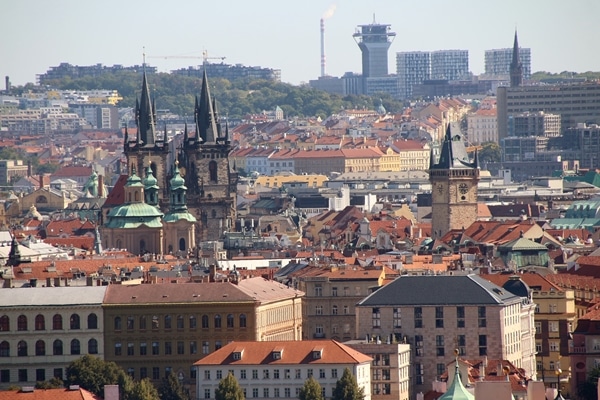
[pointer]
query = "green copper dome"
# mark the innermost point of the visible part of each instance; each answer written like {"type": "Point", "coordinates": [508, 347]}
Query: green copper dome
{"type": "Point", "coordinates": [177, 182]}
{"type": "Point", "coordinates": [134, 180]}
{"type": "Point", "coordinates": [150, 182]}
{"type": "Point", "coordinates": [457, 391]}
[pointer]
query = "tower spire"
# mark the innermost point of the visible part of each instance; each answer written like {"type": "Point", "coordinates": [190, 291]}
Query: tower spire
{"type": "Point", "coordinates": [516, 66]}
{"type": "Point", "coordinates": [205, 114]}
{"type": "Point", "coordinates": [145, 112]}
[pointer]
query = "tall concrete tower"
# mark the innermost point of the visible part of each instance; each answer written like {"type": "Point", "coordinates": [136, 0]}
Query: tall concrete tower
{"type": "Point", "coordinates": [374, 40]}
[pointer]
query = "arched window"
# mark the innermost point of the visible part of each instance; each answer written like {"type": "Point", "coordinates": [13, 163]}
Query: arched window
{"type": "Point", "coordinates": [242, 320]}
{"type": "Point", "coordinates": [230, 320]}
{"type": "Point", "coordinates": [182, 244]}
{"type": "Point", "coordinates": [137, 196]}
{"type": "Point", "coordinates": [40, 322]}
{"type": "Point", "coordinates": [74, 322]}
{"type": "Point", "coordinates": [92, 346]}
{"type": "Point", "coordinates": [118, 324]}
{"type": "Point", "coordinates": [217, 321]}
{"type": "Point", "coordinates": [180, 322]}
{"type": "Point", "coordinates": [119, 244]}
{"type": "Point", "coordinates": [167, 322]}
{"type": "Point", "coordinates": [41, 200]}
{"type": "Point", "coordinates": [22, 323]}
{"type": "Point", "coordinates": [40, 348]}
{"type": "Point", "coordinates": [57, 347]}
{"type": "Point", "coordinates": [142, 322]}
{"type": "Point", "coordinates": [4, 349]}
{"type": "Point", "coordinates": [213, 213]}
{"type": "Point", "coordinates": [57, 322]}
{"type": "Point", "coordinates": [205, 321]}
{"type": "Point", "coordinates": [155, 324]}
{"type": "Point", "coordinates": [75, 347]}
{"type": "Point", "coordinates": [22, 349]}
{"type": "Point", "coordinates": [192, 322]}
{"type": "Point", "coordinates": [92, 321]}
{"type": "Point", "coordinates": [4, 323]}
{"type": "Point", "coordinates": [212, 170]}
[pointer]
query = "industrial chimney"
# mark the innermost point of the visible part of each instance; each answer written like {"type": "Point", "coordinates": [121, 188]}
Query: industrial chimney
{"type": "Point", "coordinates": [322, 47]}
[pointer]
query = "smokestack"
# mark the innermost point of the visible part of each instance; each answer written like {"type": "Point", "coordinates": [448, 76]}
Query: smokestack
{"type": "Point", "coordinates": [100, 185]}
{"type": "Point", "coordinates": [322, 47]}
{"type": "Point", "coordinates": [7, 83]}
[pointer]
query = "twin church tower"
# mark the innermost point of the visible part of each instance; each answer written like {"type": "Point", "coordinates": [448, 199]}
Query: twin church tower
{"type": "Point", "coordinates": [199, 189]}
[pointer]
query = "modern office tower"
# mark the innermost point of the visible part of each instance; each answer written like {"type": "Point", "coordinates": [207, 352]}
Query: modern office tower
{"type": "Point", "coordinates": [412, 68]}
{"type": "Point", "coordinates": [374, 40]}
{"type": "Point", "coordinates": [534, 124]}
{"type": "Point", "coordinates": [451, 65]}
{"type": "Point", "coordinates": [498, 61]}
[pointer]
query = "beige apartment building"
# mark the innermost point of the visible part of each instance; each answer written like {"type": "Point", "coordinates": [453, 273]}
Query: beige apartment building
{"type": "Point", "coordinates": [437, 314]}
{"type": "Point", "coordinates": [154, 329]}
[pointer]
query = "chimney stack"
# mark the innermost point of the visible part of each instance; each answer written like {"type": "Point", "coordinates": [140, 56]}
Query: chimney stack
{"type": "Point", "coordinates": [41, 181]}
{"type": "Point", "coordinates": [322, 47]}
{"type": "Point", "coordinates": [100, 185]}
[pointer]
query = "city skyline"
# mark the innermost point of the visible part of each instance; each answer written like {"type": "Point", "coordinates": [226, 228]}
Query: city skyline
{"type": "Point", "coordinates": [39, 35]}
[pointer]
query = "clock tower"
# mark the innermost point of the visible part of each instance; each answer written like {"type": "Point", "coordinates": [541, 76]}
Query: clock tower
{"type": "Point", "coordinates": [454, 181]}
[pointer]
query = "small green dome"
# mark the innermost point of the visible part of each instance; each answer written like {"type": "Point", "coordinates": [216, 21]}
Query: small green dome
{"type": "Point", "coordinates": [150, 182]}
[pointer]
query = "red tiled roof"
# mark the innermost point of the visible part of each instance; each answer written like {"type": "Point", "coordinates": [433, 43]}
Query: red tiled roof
{"type": "Point", "coordinates": [49, 394]}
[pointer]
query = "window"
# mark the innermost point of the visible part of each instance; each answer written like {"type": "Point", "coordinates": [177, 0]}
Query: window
{"type": "Point", "coordinates": [168, 348]}
{"type": "Point", "coordinates": [334, 310]}
{"type": "Point", "coordinates": [243, 374]}
{"type": "Point", "coordinates": [117, 323]}
{"type": "Point", "coordinates": [40, 323]}
{"type": "Point", "coordinates": [57, 322]}
{"type": "Point", "coordinates": [205, 347]}
{"type": "Point", "coordinates": [22, 323]}
{"type": "Point", "coordinates": [554, 346]}
{"type": "Point", "coordinates": [275, 374]}
{"type": "Point", "coordinates": [346, 291]}
{"type": "Point", "coordinates": [40, 348]}
{"type": "Point", "coordinates": [553, 326]}
{"type": "Point", "coordinates": [74, 322]}
{"type": "Point", "coordinates": [265, 374]}
{"type": "Point", "coordinates": [287, 392]}
{"type": "Point", "coordinates": [322, 373]}
{"type": "Point", "coordinates": [40, 374]}
{"type": "Point", "coordinates": [418, 311]}
{"type": "Point", "coordinates": [218, 344]}
{"type": "Point", "coordinates": [460, 317]}
{"type": "Point", "coordinates": [538, 327]}
{"type": "Point", "coordinates": [552, 308]}
{"type": "Point", "coordinates": [334, 373]}
{"type": "Point", "coordinates": [118, 351]}
{"type": "Point", "coordinates": [286, 374]}
{"type": "Point", "coordinates": [22, 349]}
{"type": "Point", "coordinates": [397, 318]}
{"type": "Point", "coordinates": [57, 347]}
{"type": "Point", "coordinates": [155, 323]}
{"type": "Point", "coordinates": [207, 393]}
{"type": "Point", "coordinates": [217, 321]}
{"type": "Point", "coordinates": [275, 392]}
{"type": "Point", "coordinates": [538, 348]}
{"type": "Point", "coordinates": [130, 349]}
{"type": "Point", "coordinates": [309, 373]}
{"type": "Point", "coordinates": [4, 323]}
{"type": "Point", "coordinates": [254, 392]}
{"type": "Point", "coordinates": [319, 330]}
{"type": "Point", "coordinates": [461, 342]}
{"type": "Point", "coordinates": [4, 375]}
{"type": "Point", "coordinates": [482, 323]}
{"type": "Point", "coordinates": [439, 345]}
{"type": "Point", "coordinates": [346, 310]}
{"type": "Point", "coordinates": [193, 347]}
{"type": "Point", "coordinates": [254, 374]}
{"type": "Point", "coordinates": [207, 375]}
{"type": "Point", "coordinates": [376, 317]}
{"type": "Point", "coordinates": [441, 368]}
{"type": "Point", "coordinates": [143, 348]}
{"type": "Point", "coordinates": [92, 346]}
{"type": "Point", "coordinates": [482, 345]}
{"type": "Point", "coordinates": [75, 346]}
{"type": "Point", "coordinates": [130, 323]}
{"type": "Point", "coordinates": [92, 321]}
{"type": "Point", "coordinates": [193, 322]}
{"type": "Point", "coordinates": [242, 320]}
{"type": "Point", "coordinates": [318, 310]}
{"type": "Point", "coordinates": [418, 345]}
{"type": "Point", "coordinates": [318, 291]}
{"type": "Point", "coordinates": [219, 374]}
{"type": "Point", "coordinates": [439, 317]}
{"type": "Point", "coordinates": [22, 375]}
{"type": "Point", "coordinates": [419, 373]}
{"type": "Point", "coordinates": [143, 372]}
{"type": "Point", "coordinates": [230, 320]}
{"type": "Point", "coordinates": [265, 392]}
{"type": "Point", "coordinates": [167, 322]}
{"type": "Point", "coordinates": [143, 323]}
{"type": "Point", "coordinates": [155, 349]}
{"type": "Point", "coordinates": [155, 373]}
{"type": "Point", "coordinates": [334, 292]}
{"type": "Point", "coordinates": [131, 372]}
{"type": "Point", "coordinates": [4, 349]}
{"type": "Point", "coordinates": [205, 322]}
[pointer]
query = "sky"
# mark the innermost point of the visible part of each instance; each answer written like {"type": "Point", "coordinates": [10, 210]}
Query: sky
{"type": "Point", "coordinates": [285, 34]}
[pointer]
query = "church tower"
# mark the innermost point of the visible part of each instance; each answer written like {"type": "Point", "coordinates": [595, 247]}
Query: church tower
{"type": "Point", "coordinates": [516, 66]}
{"type": "Point", "coordinates": [210, 182]}
{"type": "Point", "coordinates": [147, 149]}
{"type": "Point", "coordinates": [453, 186]}
{"type": "Point", "coordinates": [178, 222]}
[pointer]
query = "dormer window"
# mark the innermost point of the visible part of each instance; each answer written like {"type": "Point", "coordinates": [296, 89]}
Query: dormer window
{"type": "Point", "coordinates": [277, 354]}
{"type": "Point", "coordinates": [237, 355]}
{"type": "Point", "coordinates": [317, 354]}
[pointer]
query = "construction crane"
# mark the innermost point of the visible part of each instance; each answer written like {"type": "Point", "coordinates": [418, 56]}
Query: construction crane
{"type": "Point", "coordinates": [204, 57]}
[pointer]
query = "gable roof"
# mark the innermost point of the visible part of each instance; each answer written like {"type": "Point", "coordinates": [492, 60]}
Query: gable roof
{"type": "Point", "coordinates": [49, 394]}
{"type": "Point", "coordinates": [439, 290]}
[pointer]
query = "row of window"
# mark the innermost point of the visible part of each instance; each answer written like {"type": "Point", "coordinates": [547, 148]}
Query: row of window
{"type": "Point", "coordinates": [334, 310]}
{"type": "Point", "coordinates": [266, 393]}
{"type": "Point", "coordinates": [40, 322]}
{"type": "Point", "coordinates": [461, 345]}
{"type": "Point", "coordinates": [167, 321]}
{"type": "Point", "coordinates": [155, 373]}
{"type": "Point", "coordinates": [168, 348]}
{"type": "Point", "coordinates": [439, 317]}
{"type": "Point", "coordinates": [23, 375]}
{"type": "Point", "coordinates": [268, 373]}
{"type": "Point", "coordinates": [40, 348]}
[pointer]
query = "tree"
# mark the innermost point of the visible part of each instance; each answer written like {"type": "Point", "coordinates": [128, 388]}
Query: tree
{"type": "Point", "coordinates": [53, 383]}
{"type": "Point", "coordinates": [171, 389]}
{"type": "Point", "coordinates": [346, 388]}
{"type": "Point", "coordinates": [229, 389]}
{"type": "Point", "coordinates": [92, 373]}
{"type": "Point", "coordinates": [588, 390]}
{"type": "Point", "coordinates": [311, 390]}
{"type": "Point", "coordinates": [143, 390]}
{"type": "Point", "coordinates": [490, 152]}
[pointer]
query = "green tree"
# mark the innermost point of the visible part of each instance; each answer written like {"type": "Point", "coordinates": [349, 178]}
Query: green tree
{"type": "Point", "coordinates": [490, 152]}
{"type": "Point", "coordinates": [346, 388]}
{"type": "Point", "coordinates": [588, 390]}
{"type": "Point", "coordinates": [92, 373]}
{"type": "Point", "coordinates": [171, 389]}
{"type": "Point", "coordinates": [229, 389]}
{"type": "Point", "coordinates": [311, 390]}
{"type": "Point", "coordinates": [143, 390]}
{"type": "Point", "coordinates": [53, 383]}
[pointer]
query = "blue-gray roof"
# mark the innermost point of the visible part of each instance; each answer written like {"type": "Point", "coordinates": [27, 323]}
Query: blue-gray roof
{"type": "Point", "coordinates": [430, 290]}
{"type": "Point", "coordinates": [52, 296]}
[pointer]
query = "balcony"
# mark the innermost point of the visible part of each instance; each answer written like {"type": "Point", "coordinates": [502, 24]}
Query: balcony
{"type": "Point", "coordinates": [578, 350]}
{"type": "Point", "coordinates": [320, 335]}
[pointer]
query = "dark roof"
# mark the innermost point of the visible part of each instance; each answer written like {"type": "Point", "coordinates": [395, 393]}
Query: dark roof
{"type": "Point", "coordinates": [439, 290]}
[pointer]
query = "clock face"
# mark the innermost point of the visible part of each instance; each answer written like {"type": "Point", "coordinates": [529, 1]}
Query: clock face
{"type": "Point", "coordinates": [463, 188]}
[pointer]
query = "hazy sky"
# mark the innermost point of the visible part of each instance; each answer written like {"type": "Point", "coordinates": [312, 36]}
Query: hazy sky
{"type": "Point", "coordinates": [285, 34]}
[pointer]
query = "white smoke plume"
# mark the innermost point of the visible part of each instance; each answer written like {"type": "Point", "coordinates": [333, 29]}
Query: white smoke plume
{"type": "Point", "coordinates": [330, 11]}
